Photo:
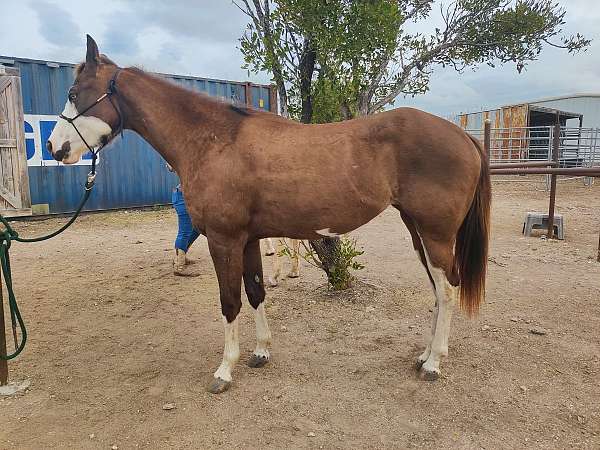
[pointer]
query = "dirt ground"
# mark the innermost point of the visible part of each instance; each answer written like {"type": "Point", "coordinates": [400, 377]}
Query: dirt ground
{"type": "Point", "coordinates": [114, 336]}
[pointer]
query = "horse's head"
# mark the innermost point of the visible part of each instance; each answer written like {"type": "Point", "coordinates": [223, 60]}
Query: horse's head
{"type": "Point", "coordinates": [88, 116]}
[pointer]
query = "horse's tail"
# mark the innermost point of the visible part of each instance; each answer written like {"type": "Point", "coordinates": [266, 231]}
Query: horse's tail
{"type": "Point", "coordinates": [471, 253]}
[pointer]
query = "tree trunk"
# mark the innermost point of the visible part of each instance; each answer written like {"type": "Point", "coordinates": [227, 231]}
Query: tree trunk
{"type": "Point", "coordinates": [364, 100]}
{"type": "Point", "coordinates": [307, 68]}
{"type": "Point", "coordinates": [327, 249]}
{"type": "Point", "coordinates": [346, 111]}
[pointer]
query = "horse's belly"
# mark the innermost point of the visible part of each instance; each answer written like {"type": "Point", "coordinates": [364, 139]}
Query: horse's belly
{"type": "Point", "coordinates": [322, 217]}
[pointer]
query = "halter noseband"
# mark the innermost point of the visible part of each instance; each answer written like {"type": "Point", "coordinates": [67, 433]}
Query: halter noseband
{"type": "Point", "coordinates": [110, 90]}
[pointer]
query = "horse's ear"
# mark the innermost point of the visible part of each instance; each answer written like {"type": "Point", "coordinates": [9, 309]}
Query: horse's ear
{"type": "Point", "coordinates": [92, 58]}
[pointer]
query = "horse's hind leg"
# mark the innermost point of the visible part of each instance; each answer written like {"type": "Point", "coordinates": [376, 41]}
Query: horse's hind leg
{"type": "Point", "coordinates": [439, 254]}
{"type": "Point", "coordinates": [418, 246]}
{"type": "Point", "coordinates": [255, 290]}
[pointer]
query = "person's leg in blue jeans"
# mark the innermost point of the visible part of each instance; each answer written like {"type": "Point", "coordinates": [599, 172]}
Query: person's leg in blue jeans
{"type": "Point", "coordinates": [186, 234]}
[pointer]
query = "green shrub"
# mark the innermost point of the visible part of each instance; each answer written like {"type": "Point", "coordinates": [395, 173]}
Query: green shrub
{"type": "Point", "coordinates": [340, 274]}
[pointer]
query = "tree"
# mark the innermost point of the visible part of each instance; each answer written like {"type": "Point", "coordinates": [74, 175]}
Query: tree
{"type": "Point", "coordinates": [334, 60]}
{"type": "Point", "coordinates": [362, 54]}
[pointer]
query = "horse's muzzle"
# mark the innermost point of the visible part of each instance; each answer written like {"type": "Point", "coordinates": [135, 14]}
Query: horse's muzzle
{"type": "Point", "coordinates": [63, 152]}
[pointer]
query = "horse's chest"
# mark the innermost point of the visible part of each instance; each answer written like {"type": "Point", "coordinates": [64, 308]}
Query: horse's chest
{"type": "Point", "coordinates": [216, 205]}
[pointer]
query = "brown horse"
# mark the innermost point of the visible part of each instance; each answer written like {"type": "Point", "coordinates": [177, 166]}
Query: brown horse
{"type": "Point", "coordinates": [248, 175]}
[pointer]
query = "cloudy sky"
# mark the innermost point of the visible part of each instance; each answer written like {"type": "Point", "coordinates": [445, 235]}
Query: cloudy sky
{"type": "Point", "coordinates": [200, 37]}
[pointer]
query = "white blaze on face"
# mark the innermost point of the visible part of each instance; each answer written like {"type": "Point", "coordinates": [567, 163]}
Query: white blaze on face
{"type": "Point", "coordinates": [91, 128]}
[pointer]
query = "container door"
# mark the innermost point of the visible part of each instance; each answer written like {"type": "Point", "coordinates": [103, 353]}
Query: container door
{"type": "Point", "coordinates": [15, 198]}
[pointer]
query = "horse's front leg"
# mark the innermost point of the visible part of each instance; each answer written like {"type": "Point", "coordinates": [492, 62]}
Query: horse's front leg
{"type": "Point", "coordinates": [227, 255]}
{"type": "Point", "coordinates": [255, 290]}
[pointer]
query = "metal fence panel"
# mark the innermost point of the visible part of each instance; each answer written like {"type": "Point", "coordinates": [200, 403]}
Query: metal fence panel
{"type": "Point", "coordinates": [578, 146]}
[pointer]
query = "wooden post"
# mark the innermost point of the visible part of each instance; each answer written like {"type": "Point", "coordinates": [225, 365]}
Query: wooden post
{"type": "Point", "coordinates": [3, 363]}
{"type": "Point", "coordinates": [487, 138]}
{"type": "Point", "coordinates": [273, 98]}
{"type": "Point", "coordinates": [598, 247]}
{"type": "Point", "coordinates": [248, 87]}
{"type": "Point", "coordinates": [555, 149]}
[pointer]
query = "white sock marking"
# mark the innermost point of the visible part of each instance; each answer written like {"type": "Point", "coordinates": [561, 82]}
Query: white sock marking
{"type": "Point", "coordinates": [231, 351]}
{"type": "Point", "coordinates": [446, 296]}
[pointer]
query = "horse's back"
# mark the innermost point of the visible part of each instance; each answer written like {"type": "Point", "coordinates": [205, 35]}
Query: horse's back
{"type": "Point", "coordinates": [403, 157]}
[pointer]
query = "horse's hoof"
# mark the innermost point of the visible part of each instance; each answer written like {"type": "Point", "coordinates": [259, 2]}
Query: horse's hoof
{"type": "Point", "coordinates": [218, 385]}
{"type": "Point", "coordinates": [430, 375]}
{"type": "Point", "coordinates": [418, 364]}
{"type": "Point", "coordinates": [256, 361]}
{"type": "Point", "coordinates": [293, 275]}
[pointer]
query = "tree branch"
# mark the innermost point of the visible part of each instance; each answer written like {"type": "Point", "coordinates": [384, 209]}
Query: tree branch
{"type": "Point", "coordinates": [417, 63]}
{"type": "Point", "coordinates": [262, 22]}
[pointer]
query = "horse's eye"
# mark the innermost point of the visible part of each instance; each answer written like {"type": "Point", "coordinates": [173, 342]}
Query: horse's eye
{"type": "Point", "coordinates": [72, 96]}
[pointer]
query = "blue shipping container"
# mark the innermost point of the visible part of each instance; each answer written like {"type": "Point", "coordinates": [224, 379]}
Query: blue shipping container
{"type": "Point", "coordinates": [130, 173]}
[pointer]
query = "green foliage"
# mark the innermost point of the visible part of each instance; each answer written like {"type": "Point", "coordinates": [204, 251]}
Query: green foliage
{"type": "Point", "coordinates": [351, 41]}
{"type": "Point", "coordinates": [367, 55]}
{"type": "Point", "coordinates": [328, 103]}
{"type": "Point", "coordinates": [341, 275]}
{"type": "Point", "coordinates": [350, 37]}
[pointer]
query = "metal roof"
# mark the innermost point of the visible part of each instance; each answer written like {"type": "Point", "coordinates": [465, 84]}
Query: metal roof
{"type": "Point", "coordinates": [565, 97]}
{"type": "Point", "coordinates": [541, 100]}
{"type": "Point", "coordinates": [543, 109]}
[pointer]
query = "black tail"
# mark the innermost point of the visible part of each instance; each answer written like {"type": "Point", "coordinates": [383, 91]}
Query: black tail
{"type": "Point", "coordinates": [471, 256]}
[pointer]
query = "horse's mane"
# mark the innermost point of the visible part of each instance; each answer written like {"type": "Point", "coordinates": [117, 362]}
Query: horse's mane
{"type": "Point", "coordinates": [242, 110]}
{"type": "Point", "coordinates": [239, 109]}
{"type": "Point", "coordinates": [103, 60]}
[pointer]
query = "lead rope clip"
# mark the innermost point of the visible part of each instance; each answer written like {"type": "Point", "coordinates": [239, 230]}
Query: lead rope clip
{"type": "Point", "coordinates": [91, 178]}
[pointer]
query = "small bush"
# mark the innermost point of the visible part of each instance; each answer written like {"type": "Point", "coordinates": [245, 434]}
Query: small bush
{"type": "Point", "coordinates": [340, 273]}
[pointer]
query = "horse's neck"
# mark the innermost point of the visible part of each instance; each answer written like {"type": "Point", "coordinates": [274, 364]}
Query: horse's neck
{"type": "Point", "coordinates": [179, 124]}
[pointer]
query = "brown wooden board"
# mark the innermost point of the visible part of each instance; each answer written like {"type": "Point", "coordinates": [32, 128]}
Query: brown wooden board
{"type": "Point", "coordinates": [15, 198]}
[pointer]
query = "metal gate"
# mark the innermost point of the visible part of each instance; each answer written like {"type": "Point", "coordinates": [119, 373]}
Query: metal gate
{"type": "Point", "coordinates": [15, 199]}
